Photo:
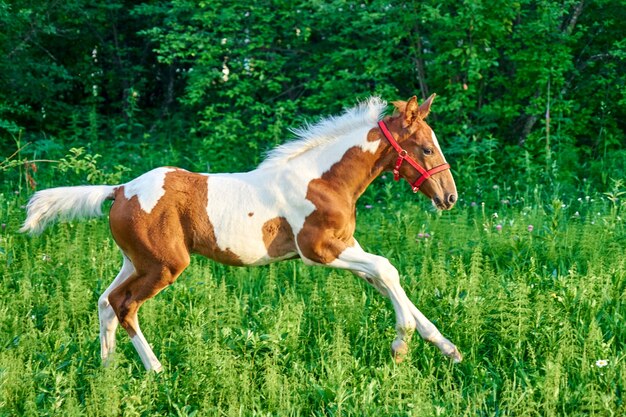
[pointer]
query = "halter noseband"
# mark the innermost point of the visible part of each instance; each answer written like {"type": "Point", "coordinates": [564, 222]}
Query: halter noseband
{"type": "Point", "coordinates": [404, 156]}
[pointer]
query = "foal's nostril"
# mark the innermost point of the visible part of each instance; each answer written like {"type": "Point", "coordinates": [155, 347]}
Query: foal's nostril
{"type": "Point", "coordinates": [451, 199]}
{"type": "Point", "coordinates": [437, 201]}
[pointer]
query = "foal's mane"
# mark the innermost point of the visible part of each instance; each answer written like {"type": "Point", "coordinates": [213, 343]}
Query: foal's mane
{"type": "Point", "coordinates": [327, 130]}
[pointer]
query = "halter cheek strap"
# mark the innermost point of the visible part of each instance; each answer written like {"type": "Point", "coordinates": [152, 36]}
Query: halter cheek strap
{"type": "Point", "coordinates": [404, 156]}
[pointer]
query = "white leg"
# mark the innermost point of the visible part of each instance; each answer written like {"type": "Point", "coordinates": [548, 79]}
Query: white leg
{"type": "Point", "coordinates": [108, 319]}
{"type": "Point", "coordinates": [430, 333]}
{"type": "Point", "coordinates": [379, 272]}
{"type": "Point", "coordinates": [148, 358]}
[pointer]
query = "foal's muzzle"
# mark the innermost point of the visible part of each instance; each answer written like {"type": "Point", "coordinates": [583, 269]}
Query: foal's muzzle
{"type": "Point", "coordinates": [445, 203]}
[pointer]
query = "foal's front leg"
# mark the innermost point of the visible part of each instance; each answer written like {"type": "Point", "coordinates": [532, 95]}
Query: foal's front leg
{"type": "Point", "coordinates": [379, 272]}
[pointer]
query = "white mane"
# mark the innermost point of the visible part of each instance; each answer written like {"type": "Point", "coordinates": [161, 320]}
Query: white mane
{"type": "Point", "coordinates": [327, 130]}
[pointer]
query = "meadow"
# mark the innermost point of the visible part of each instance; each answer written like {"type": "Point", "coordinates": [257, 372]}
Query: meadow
{"type": "Point", "coordinates": [531, 289]}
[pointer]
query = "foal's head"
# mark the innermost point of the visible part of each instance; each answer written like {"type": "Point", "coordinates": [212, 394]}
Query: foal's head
{"type": "Point", "coordinates": [418, 139]}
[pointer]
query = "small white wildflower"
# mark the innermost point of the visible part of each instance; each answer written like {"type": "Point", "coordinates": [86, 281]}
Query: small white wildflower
{"type": "Point", "coordinates": [601, 363]}
{"type": "Point", "coordinates": [495, 215]}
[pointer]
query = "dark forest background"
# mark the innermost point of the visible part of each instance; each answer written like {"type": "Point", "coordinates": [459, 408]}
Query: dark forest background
{"type": "Point", "coordinates": [528, 92]}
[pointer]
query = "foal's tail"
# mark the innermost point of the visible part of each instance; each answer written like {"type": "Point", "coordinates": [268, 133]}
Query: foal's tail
{"type": "Point", "coordinates": [65, 202]}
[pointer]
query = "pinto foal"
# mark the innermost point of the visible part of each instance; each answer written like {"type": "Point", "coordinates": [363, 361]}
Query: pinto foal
{"type": "Point", "coordinates": [299, 203]}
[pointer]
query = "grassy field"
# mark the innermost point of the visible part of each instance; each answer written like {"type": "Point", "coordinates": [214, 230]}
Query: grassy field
{"type": "Point", "coordinates": [532, 292]}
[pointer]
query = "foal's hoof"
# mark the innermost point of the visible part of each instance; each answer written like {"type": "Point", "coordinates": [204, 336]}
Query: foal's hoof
{"type": "Point", "coordinates": [399, 349]}
{"type": "Point", "coordinates": [107, 361]}
{"type": "Point", "coordinates": [454, 354]}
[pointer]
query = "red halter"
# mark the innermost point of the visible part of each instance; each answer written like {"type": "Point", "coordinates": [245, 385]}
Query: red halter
{"type": "Point", "coordinates": [403, 156]}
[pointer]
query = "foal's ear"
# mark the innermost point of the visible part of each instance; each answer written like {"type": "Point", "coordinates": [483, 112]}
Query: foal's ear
{"type": "Point", "coordinates": [425, 106]}
{"type": "Point", "coordinates": [411, 112]}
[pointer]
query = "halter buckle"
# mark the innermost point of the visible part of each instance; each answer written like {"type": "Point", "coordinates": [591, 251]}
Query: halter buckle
{"type": "Point", "coordinates": [399, 161]}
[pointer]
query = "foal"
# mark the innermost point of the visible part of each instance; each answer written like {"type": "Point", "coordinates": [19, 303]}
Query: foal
{"type": "Point", "coordinates": [299, 203]}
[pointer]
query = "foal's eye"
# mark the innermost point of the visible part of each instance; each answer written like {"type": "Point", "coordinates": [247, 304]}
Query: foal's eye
{"type": "Point", "coordinates": [428, 151]}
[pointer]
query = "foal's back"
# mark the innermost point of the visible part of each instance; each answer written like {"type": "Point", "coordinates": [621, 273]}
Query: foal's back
{"type": "Point", "coordinates": [232, 218]}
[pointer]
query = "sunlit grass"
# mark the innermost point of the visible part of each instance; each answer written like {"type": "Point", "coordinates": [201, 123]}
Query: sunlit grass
{"type": "Point", "coordinates": [533, 311]}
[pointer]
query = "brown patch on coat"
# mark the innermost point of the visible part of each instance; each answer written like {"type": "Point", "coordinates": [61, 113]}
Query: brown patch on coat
{"type": "Point", "coordinates": [180, 215]}
{"type": "Point", "coordinates": [250, 214]}
{"type": "Point", "coordinates": [278, 237]}
{"type": "Point", "coordinates": [159, 243]}
{"type": "Point", "coordinates": [329, 229]}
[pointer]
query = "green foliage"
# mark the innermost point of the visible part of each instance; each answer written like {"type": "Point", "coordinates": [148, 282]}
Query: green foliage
{"type": "Point", "coordinates": [77, 62]}
{"type": "Point", "coordinates": [535, 312]}
{"type": "Point", "coordinates": [78, 166]}
{"type": "Point", "coordinates": [530, 89]}
{"type": "Point", "coordinates": [86, 165]}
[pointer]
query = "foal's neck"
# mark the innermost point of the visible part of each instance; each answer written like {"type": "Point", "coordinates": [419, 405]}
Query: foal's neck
{"type": "Point", "coordinates": [358, 167]}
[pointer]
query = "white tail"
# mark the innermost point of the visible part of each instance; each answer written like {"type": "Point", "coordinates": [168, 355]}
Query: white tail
{"type": "Point", "coordinates": [65, 203]}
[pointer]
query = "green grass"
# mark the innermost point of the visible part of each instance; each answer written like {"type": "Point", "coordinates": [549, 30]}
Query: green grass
{"type": "Point", "coordinates": [532, 312]}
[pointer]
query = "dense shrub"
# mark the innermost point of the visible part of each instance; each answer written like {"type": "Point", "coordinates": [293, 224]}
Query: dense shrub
{"type": "Point", "coordinates": [529, 90]}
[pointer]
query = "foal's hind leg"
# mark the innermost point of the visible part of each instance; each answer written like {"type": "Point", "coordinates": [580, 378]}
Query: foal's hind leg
{"type": "Point", "coordinates": [149, 278]}
{"type": "Point", "coordinates": [379, 272]}
{"type": "Point", "coordinates": [108, 319]}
